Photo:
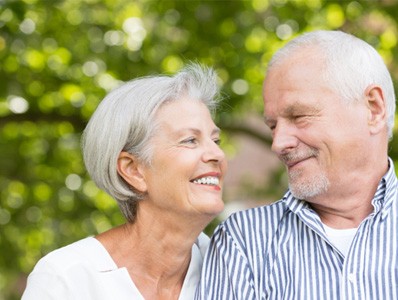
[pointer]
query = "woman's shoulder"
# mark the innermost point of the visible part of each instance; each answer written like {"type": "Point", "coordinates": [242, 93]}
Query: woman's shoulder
{"type": "Point", "coordinates": [77, 271]}
{"type": "Point", "coordinates": [87, 251]}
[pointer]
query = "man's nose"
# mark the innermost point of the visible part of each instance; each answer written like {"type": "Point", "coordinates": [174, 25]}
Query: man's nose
{"type": "Point", "coordinates": [284, 138]}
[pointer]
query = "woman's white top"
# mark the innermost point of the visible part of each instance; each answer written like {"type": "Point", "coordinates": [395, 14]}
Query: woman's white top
{"type": "Point", "coordinates": [341, 238]}
{"type": "Point", "coordinates": [85, 270]}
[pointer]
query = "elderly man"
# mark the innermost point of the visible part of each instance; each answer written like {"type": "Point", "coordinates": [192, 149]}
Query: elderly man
{"type": "Point", "coordinates": [330, 104]}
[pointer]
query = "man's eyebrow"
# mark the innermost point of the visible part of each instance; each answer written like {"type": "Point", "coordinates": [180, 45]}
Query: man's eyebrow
{"type": "Point", "coordinates": [300, 108]}
{"type": "Point", "coordinates": [293, 109]}
{"type": "Point", "coordinates": [268, 120]}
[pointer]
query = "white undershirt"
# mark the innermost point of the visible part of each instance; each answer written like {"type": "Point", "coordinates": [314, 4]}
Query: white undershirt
{"type": "Point", "coordinates": [340, 238]}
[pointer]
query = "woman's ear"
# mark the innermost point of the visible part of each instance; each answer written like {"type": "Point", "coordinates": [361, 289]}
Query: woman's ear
{"type": "Point", "coordinates": [130, 170]}
{"type": "Point", "coordinates": [377, 109]}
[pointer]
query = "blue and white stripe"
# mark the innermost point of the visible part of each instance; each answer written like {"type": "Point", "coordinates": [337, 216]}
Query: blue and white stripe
{"type": "Point", "coordinates": [281, 251]}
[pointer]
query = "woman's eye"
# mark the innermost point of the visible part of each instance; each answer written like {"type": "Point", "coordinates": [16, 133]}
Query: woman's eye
{"type": "Point", "coordinates": [189, 141]}
{"type": "Point", "coordinates": [217, 141]}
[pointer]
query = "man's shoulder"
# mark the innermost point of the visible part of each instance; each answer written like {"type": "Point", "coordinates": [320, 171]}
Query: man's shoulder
{"type": "Point", "coordinates": [265, 212]}
{"type": "Point", "coordinates": [258, 220]}
{"type": "Point", "coordinates": [252, 228]}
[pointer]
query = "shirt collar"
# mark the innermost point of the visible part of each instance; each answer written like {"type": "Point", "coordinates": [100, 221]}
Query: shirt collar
{"type": "Point", "coordinates": [382, 200]}
{"type": "Point", "coordinates": [386, 191]}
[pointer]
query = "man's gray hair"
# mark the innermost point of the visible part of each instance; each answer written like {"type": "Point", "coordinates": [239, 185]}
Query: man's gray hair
{"type": "Point", "coordinates": [351, 65]}
{"type": "Point", "coordinates": [125, 121]}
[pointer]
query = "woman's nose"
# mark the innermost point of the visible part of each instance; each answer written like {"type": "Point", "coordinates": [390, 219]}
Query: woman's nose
{"type": "Point", "coordinates": [213, 152]}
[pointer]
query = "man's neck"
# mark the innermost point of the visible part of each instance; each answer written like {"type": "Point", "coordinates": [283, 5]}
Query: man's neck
{"type": "Point", "coordinates": [347, 204]}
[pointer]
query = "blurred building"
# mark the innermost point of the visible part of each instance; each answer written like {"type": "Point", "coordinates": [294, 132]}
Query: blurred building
{"type": "Point", "coordinates": [249, 170]}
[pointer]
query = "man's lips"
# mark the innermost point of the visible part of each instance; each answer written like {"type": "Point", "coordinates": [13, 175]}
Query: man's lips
{"type": "Point", "coordinates": [294, 158]}
{"type": "Point", "coordinates": [291, 164]}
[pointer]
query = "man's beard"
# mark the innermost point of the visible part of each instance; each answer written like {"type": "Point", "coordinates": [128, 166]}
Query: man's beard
{"type": "Point", "coordinates": [305, 186]}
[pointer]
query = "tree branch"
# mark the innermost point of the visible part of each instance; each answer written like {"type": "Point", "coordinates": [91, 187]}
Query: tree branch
{"type": "Point", "coordinates": [243, 128]}
{"type": "Point", "coordinates": [77, 121]}
{"type": "Point", "coordinates": [232, 126]}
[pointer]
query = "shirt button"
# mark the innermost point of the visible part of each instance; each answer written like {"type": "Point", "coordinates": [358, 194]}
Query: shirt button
{"type": "Point", "coordinates": [351, 277]}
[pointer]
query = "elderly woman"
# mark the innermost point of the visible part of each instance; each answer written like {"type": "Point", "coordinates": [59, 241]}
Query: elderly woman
{"type": "Point", "coordinates": [153, 146]}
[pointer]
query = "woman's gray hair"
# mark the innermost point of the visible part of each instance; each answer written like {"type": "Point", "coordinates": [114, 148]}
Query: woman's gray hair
{"type": "Point", "coordinates": [124, 121]}
{"type": "Point", "coordinates": [351, 65]}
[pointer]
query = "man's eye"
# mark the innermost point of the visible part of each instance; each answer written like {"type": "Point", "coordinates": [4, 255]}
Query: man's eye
{"type": "Point", "coordinates": [304, 116]}
{"type": "Point", "coordinates": [217, 141]}
{"type": "Point", "coordinates": [270, 125]}
{"type": "Point", "coordinates": [301, 118]}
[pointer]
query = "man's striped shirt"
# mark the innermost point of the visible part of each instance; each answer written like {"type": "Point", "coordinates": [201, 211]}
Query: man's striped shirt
{"type": "Point", "coordinates": [281, 251]}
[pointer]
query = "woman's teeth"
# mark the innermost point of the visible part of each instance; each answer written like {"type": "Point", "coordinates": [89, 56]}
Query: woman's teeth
{"type": "Point", "coordinates": [207, 180]}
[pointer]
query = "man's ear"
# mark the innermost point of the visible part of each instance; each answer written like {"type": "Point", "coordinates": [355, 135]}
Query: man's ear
{"type": "Point", "coordinates": [130, 170]}
{"type": "Point", "coordinates": [377, 110]}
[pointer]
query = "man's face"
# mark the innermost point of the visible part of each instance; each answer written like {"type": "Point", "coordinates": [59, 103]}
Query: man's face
{"type": "Point", "coordinates": [318, 136]}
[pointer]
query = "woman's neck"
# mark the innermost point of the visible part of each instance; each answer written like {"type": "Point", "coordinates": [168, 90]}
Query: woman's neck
{"type": "Point", "coordinates": [155, 252]}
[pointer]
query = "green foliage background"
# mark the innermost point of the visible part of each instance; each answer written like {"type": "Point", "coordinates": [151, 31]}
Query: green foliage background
{"type": "Point", "coordinates": [59, 58]}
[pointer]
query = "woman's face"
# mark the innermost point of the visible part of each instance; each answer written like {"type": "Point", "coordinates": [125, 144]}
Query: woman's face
{"type": "Point", "coordinates": [188, 166]}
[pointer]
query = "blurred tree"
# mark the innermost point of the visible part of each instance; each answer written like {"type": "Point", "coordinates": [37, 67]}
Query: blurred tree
{"type": "Point", "coordinates": [59, 58]}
